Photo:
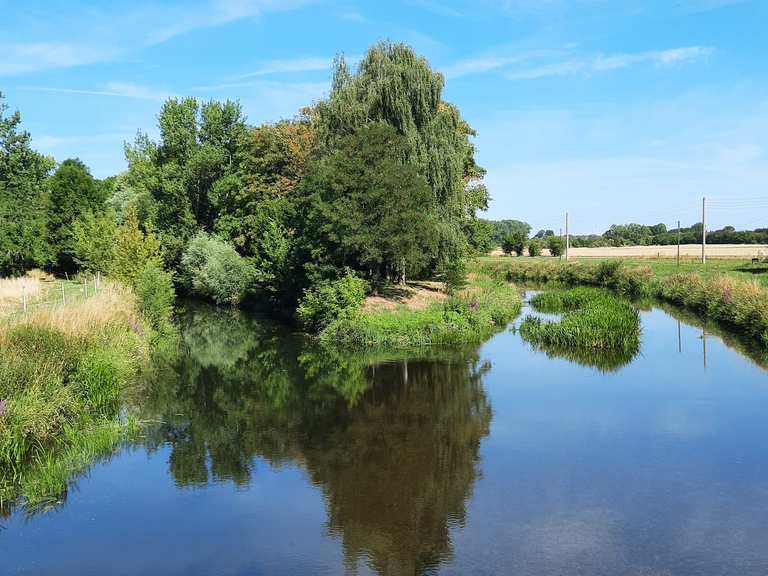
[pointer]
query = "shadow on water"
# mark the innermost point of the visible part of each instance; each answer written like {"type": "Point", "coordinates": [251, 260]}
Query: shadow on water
{"type": "Point", "coordinates": [370, 430]}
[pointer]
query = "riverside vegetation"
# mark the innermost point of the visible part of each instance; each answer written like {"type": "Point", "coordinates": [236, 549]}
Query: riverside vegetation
{"type": "Point", "coordinates": [741, 304]}
{"type": "Point", "coordinates": [596, 327]}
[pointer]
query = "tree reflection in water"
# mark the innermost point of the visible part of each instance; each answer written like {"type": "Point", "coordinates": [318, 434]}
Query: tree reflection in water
{"type": "Point", "coordinates": [392, 442]}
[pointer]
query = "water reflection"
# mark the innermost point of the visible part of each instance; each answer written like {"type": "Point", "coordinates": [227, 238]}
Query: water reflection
{"type": "Point", "coordinates": [392, 442]}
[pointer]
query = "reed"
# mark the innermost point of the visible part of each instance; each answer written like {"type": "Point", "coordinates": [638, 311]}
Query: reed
{"type": "Point", "coordinates": [591, 319]}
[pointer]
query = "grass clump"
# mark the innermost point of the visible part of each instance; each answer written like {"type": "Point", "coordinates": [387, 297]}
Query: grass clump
{"type": "Point", "coordinates": [470, 316]}
{"type": "Point", "coordinates": [591, 319]}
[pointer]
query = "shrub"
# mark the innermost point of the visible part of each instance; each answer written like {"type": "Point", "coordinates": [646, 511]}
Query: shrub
{"type": "Point", "coordinates": [154, 296]}
{"type": "Point", "coordinates": [456, 276]}
{"type": "Point", "coordinates": [213, 269]}
{"type": "Point", "coordinates": [556, 246]}
{"type": "Point", "coordinates": [534, 247]}
{"type": "Point", "coordinates": [133, 249]}
{"type": "Point", "coordinates": [331, 300]}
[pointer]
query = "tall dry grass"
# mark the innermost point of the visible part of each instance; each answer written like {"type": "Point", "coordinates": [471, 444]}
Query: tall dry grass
{"type": "Point", "coordinates": [112, 304]}
{"type": "Point", "coordinates": [12, 290]}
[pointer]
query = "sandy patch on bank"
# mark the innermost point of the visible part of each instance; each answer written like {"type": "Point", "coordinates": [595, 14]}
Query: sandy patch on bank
{"type": "Point", "coordinates": [414, 295]}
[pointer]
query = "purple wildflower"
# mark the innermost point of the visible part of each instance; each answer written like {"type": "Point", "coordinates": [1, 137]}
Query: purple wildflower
{"type": "Point", "coordinates": [3, 404]}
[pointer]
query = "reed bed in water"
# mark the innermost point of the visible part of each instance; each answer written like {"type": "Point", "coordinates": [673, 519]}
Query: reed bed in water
{"type": "Point", "coordinates": [591, 319]}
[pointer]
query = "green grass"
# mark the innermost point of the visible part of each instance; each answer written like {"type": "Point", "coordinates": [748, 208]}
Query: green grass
{"type": "Point", "coordinates": [591, 319]}
{"type": "Point", "coordinates": [470, 317]}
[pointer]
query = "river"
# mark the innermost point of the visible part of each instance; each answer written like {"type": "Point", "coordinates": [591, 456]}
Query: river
{"type": "Point", "coordinates": [264, 455]}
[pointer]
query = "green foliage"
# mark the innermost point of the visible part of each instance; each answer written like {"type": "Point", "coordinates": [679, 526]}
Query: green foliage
{"type": "Point", "coordinates": [556, 246]}
{"type": "Point", "coordinates": [395, 86]}
{"type": "Point", "coordinates": [534, 247]}
{"type": "Point", "coordinates": [367, 209]}
{"type": "Point", "coordinates": [23, 174]}
{"type": "Point", "coordinates": [479, 234]}
{"type": "Point", "coordinates": [331, 300]}
{"type": "Point", "coordinates": [198, 156]}
{"type": "Point", "coordinates": [73, 193]}
{"type": "Point", "coordinates": [212, 268]}
{"type": "Point", "coordinates": [134, 248]}
{"type": "Point", "coordinates": [92, 241]}
{"type": "Point", "coordinates": [591, 319]}
{"type": "Point", "coordinates": [154, 297]}
{"type": "Point", "coordinates": [501, 228]}
{"type": "Point", "coordinates": [455, 276]}
{"type": "Point", "coordinates": [467, 318]}
{"type": "Point", "coordinates": [636, 281]}
{"type": "Point", "coordinates": [514, 242]}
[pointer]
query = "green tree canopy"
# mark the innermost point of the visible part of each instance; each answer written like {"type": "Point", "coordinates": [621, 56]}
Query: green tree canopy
{"type": "Point", "coordinates": [366, 208]}
{"type": "Point", "coordinates": [23, 174]}
{"type": "Point", "coordinates": [395, 86]}
{"type": "Point", "coordinates": [73, 193]}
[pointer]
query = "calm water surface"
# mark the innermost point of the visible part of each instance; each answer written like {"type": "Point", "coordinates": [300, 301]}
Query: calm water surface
{"type": "Point", "coordinates": [264, 456]}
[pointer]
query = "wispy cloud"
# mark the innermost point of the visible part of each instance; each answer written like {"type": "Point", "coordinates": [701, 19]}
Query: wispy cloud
{"type": "Point", "coordinates": [111, 36]}
{"type": "Point", "coordinates": [489, 63]}
{"type": "Point", "coordinates": [33, 56]}
{"type": "Point", "coordinates": [605, 63]}
{"type": "Point", "coordinates": [111, 89]}
{"type": "Point", "coordinates": [293, 65]}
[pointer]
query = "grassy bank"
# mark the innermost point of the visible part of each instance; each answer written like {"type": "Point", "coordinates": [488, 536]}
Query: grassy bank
{"type": "Point", "coordinates": [723, 293]}
{"type": "Point", "coordinates": [62, 372]}
{"type": "Point", "coordinates": [469, 316]}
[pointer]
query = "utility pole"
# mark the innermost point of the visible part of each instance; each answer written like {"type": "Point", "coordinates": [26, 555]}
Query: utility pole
{"type": "Point", "coordinates": [704, 230]}
{"type": "Point", "coordinates": [678, 242]}
{"type": "Point", "coordinates": [567, 237]}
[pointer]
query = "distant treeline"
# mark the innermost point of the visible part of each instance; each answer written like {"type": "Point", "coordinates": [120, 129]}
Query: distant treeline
{"type": "Point", "coordinates": [636, 235]}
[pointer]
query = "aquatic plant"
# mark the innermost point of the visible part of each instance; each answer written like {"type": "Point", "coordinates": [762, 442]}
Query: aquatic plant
{"type": "Point", "coordinates": [591, 319]}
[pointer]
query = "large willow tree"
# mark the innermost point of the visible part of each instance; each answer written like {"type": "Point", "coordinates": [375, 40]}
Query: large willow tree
{"type": "Point", "coordinates": [396, 86]}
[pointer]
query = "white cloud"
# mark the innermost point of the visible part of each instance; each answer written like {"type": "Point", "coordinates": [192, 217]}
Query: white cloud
{"type": "Point", "coordinates": [605, 63]}
{"type": "Point", "coordinates": [33, 56]}
{"type": "Point", "coordinates": [112, 35]}
{"type": "Point", "coordinates": [310, 64]}
{"type": "Point", "coordinates": [111, 89]}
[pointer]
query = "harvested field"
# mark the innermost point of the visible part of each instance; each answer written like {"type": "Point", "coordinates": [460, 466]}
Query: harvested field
{"type": "Point", "coordinates": [686, 250]}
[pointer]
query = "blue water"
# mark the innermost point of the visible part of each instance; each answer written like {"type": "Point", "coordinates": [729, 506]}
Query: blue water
{"type": "Point", "coordinates": [262, 456]}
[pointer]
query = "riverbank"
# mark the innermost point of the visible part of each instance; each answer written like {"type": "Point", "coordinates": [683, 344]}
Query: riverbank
{"type": "Point", "coordinates": [468, 316]}
{"type": "Point", "coordinates": [63, 371]}
{"type": "Point", "coordinates": [715, 293]}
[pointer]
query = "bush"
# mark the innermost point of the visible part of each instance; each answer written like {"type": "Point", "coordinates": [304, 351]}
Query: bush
{"type": "Point", "coordinates": [154, 295]}
{"type": "Point", "coordinates": [534, 247]}
{"type": "Point", "coordinates": [133, 249]}
{"type": "Point", "coordinates": [331, 300]}
{"type": "Point", "coordinates": [556, 246]}
{"type": "Point", "coordinates": [456, 276]}
{"type": "Point", "coordinates": [213, 269]}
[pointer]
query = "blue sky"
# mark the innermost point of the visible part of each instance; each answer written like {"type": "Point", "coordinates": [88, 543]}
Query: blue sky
{"type": "Point", "coordinates": [616, 110]}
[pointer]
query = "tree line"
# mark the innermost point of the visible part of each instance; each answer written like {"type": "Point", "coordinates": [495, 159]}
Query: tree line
{"type": "Point", "coordinates": [377, 181]}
